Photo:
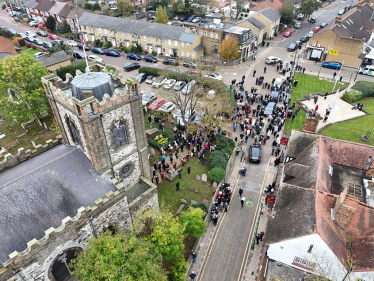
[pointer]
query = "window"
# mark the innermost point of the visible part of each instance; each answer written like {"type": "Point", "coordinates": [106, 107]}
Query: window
{"type": "Point", "coordinates": [205, 33]}
{"type": "Point", "coordinates": [169, 42]}
{"type": "Point", "coordinates": [156, 40]}
{"type": "Point", "coordinates": [150, 39]}
{"type": "Point", "coordinates": [121, 34]}
{"type": "Point", "coordinates": [216, 35]}
{"type": "Point", "coordinates": [127, 35]}
{"type": "Point", "coordinates": [187, 54]}
{"type": "Point", "coordinates": [201, 32]}
{"type": "Point", "coordinates": [211, 35]}
{"type": "Point", "coordinates": [145, 37]}
{"type": "Point", "coordinates": [182, 53]}
{"type": "Point", "coordinates": [133, 36]}
{"type": "Point", "coordinates": [176, 43]}
{"type": "Point", "coordinates": [119, 134]}
{"type": "Point", "coordinates": [193, 55]}
{"type": "Point", "coordinates": [84, 27]}
{"type": "Point", "coordinates": [187, 45]}
{"type": "Point", "coordinates": [163, 40]}
{"type": "Point", "coordinates": [138, 37]}
{"type": "Point", "coordinates": [163, 50]}
{"type": "Point", "coordinates": [182, 44]}
{"type": "Point", "coordinates": [105, 31]}
{"type": "Point", "coordinates": [99, 30]}
{"type": "Point", "coordinates": [111, 32]}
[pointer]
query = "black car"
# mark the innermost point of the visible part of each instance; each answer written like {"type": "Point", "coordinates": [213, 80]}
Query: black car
{"type": "Point", "coordinates": [131, 66]}
{"type": "Point", "coordinates": [170, 62]}
{"type": "Point", "coordinates": [254, 153]}
{"type": "Point", "coordinates": [141, 77]}
{"type": "Point", "coordinates": [78, 55]}
{"type": "Point", "coordinates": [183, 18]}
{"type": "Point", "coordinates": [304, 38]}
{"type": "Point", "coordinates": [292, 47]}
{"type": "Point", "coordinates": [80, 46]}
{"type": "Point", "coordinates": [313, 19]}
{"type": "Point", "coordinates": [189, 64]}
{"type": "Point", "coordinates": [98, 51]}
{"type": "Point", "coordinates": [322, 25]}
{"type": "Point", "coordinates": [149, 58]}
{"type": "Point", "coordinates": [42, 33]}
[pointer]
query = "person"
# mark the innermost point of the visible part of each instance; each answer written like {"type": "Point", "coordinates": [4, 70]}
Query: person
{"type": "Point", "coordinates": [177, 186]}
{"type": "Point", "coordinates": [316, 108]}
{"type": "Point", "coordinates": [315, 99]}
{"type": "Point", "coordinates": [234, 127]}
{"type": "Point", "coordinates": [293, 117]}
{"type": "Point", "coordinates": [341, 77]}
{"type": "Point", "coordinates": [243, 171]}
{"type": "Point", "coordinates": [265, 69]}
{"type": "Point", "coordinates": [254, 72]}
{"type": "Point", "coordinates": [193, 275]}
{"type": "Point", "coordinates": [240, 192]}
{"type": "Point", "coordinates": [325, 118]}
{"type": "Point", "coordinates": [226, 206]}
{"type": "Point", "coordinates": [242, 200]}
{"type": "Point", "coordinates": [276, 161]}
{"type": "Point", "coordinates": [295, 82]}
{"type": "Point", "coordinates": [326, 95]}
{"type": "Point", "coordinates": [243, 78]}
{"type": "Point", "coordinates": [303, 69]}
{"type": "Point", "coordinates": [194, 255]}
{"type": "Point", "coordinates": [334, 75]}
{"type": "Point", "coordinates": [188, 169]}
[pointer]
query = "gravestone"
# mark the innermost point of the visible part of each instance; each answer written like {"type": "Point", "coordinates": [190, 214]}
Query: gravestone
{"type": "Point", "coordinates": [204, 178]}
{"type": "Point", "coordinates": [152, 152]}
{"type": "Point", "coordinates": [197, 177]}
{"type": "Point", "coordinates": [151, 133]}
{"type": "Point", "coordinates": [215, 185]}
{"type": "Point", "coordinates": [183, 201]}
{"type": "Point", "coordinates": [193, 202]}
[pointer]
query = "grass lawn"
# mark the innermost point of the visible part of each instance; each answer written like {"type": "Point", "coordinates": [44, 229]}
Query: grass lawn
{"type": "Point", "coordinates": [110, 68]}
{"type": "Point", "coordinates": [351, 130]}
{"type": "Point", "coordinates": [307, 84]}
{"type": "Point", "coordinates": [168, 128]}
{"type": "Point", "coordinates": [31, 52]}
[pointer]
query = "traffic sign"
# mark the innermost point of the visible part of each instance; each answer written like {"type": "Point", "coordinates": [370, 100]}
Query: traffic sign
{"type": "Point", "coordinates": [334, 52]}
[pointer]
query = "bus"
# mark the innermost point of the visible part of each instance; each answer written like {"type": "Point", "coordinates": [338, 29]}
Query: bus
{"type": "Point", "coordinates": [367, 66]}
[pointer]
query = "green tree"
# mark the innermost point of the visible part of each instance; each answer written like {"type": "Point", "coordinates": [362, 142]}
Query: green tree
{"type": "Point", "coordinates": [88, 6]}
{"type": "Point", "coordinates": [125, 7]}
{"type": "Point", "coordinates": [307, 7]}
{"type": "Point", "coordinates": [229, 48]}
{"type": "Point", "coordinates": [287, 12]}
{"type": "Point", "coordinates": [193, 221]}
{"type": "Point", "coordinates": [161, 15]}
{"type": "Point", "coordinates": [178, 6]}
{"type": "Point", "coordinates": [216, 174]}
{"type": "Point", "coordinates": [119, 257]}
{"type": "Point", "coordinates": [62, 71]}
{"type": "Point", "coordinates": [51, 23]}
{"type": "Point", "coordinates": [96, 7]}
{"type": "Point", "coordinates": [22, 95]}
{"type": "Point", "coordinates": [187, 6]}
{"type": "Point", "coordinates": [61, 47]}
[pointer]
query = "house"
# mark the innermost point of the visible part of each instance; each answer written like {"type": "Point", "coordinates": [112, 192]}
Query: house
{"type": "Point", "coordinates": [321, 214]}
{"type": "Point", "coordinates": [257, 28]}
{"type": "Point", "coordinates": [6, 48]}
{"type": "Point", "coordinates": [170, 40]}
{"type": "Point", "coordinates": [272, 4]}
{"type": "Point", "coordinates": [55, 60]}
{"type": "Point", "coordinates": [245, 38]}
{"type": "Point", "coordinates": [270, 19]}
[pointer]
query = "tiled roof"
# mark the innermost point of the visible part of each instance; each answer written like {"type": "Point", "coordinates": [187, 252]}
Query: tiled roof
{"type": "Point", "coordinates": [44, 5]}
{"type": "Point", "coordinates": [7, 46]}
{"type": "Point", "coordinates": [30, 4]}
{"type": "Point", "coordinates": [273, 4]}
{"type": "Point", "coordinates": [54, 58]}
{"type": "Point", "coordinates": [342, 32]}
{"type": "Point", "coordinates": [187, 37]}
{"type": "Point", "coordinates": [79, 12]}
{"type": "Point", "coordinates": [198, 48]}
{"type": "Point", "coordinates": [270, 14]}
{"type": "Point", "coordinates": [255, 22]}
{"type": "Point", "coordinates": [132, 26]}
{"type": "Point", "coordinates": [57, 7]}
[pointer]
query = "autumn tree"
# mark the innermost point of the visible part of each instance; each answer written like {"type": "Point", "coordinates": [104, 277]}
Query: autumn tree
{"type": "Point", "coordinates": [193, 219]}
{"type": "Point", "coordinates": [307, 7]}
{"type": "Point", "coordinates": [287, 12]}
{"type": "Point", "coordinates": [229, 48]}
{"type": "Point", "coordinates": [125, 7]}
{"type": "Point", "coordinates": [22, 95]}
{"type": "Point", "coordinates": [161, 15]}
{"type": "Point", "coordinates": [119, 257]}
{"type": "Point", "coordinates": [50, 23]}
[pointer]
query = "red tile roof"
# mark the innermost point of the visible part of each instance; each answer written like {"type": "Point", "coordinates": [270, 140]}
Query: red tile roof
{"type": "Point", "coordinates": [274, 4]}
{"type": "Point", "coordinates": [7, 46]}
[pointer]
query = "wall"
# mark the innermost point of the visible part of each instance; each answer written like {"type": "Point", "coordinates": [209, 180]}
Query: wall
{"type": "Point", "coordinates": [266, 22]}
{"type": "Point", "coordinates": [258, 33]}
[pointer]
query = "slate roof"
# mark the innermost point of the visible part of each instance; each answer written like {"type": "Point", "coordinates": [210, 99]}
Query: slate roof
{"type": "Point", "coordinates": [77, 11]}
{"type": "Point", "coordinates": [57, 7]}
{"type": "Point", "coordinates": [132, 26]}
{"type": "Point", "coordinates": [30, 4]}
{"type": "Point", "coordinates": [44, 5]}
{"type": "Point", "coordinates": [37, 194]}
{"type": "Point", "coordinates": [342, 32]}
{"type": "Point", "coordinates": [255, 22]}
{"type": "Point", "coordinates": [273, 4]}
{"type": "Point", "coordinates": [187, 37]}
{"type": "Point", "coordinates": [270, 14]}
{"type": "Point", "coordinates": [198, 48]}
{"type": "Point", "coordinates": [54, 58]}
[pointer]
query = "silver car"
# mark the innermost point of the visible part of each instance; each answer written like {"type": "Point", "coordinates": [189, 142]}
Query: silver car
{"type": "Point", "coordinates": [189, 87]}
{"type": "Point", "coordinates": [179, 85]}
{"type": "Point", "coordinates": [159, 81]}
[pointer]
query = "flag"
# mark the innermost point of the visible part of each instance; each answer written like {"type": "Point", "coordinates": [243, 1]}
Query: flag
{"type": "Point", "coordinates": [80, 32]}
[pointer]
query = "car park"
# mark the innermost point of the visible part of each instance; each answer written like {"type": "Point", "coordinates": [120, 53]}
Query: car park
{"type": "Point", "coordinates": [292, 47]}
{"type": "Point", "coordinates": [131, 66]}
{"type": "Point", "coordinates": [288, 33]}
{"type": "Point", "coordinates": [111, 53]}
{"type": "Point", "coordinates": [332, 64]}
{"type": "Point", "coordinates": [157, 103]}
{"type": "Point", "coordinates": [213, 76]}
{"type": "Point", "coordinates": [53, 36]}
{"type": "Point", "coordinates": [159, 81]}
{"type": "Point", "coordinates": [150, 79]}
{"type": "Point", "coordinates": [298, 25]}
{"type": "Point", "coordinates": [189, 87]}
{"type": "Point", "coordinates": [171, 62]}
{"type": "Point", "coordinates": [72, 43]}
{"type": "Point", "coordinates": [322, 25]}
{"type": "Point", "coordinates": [30, 34]}
{"type": "Point", "coordinates": [169, 83]}
{"type": "Point", "coordinates": [38, 41]}
{"type": "Point", "coordinates": [47, 45]}
{"type": "Point", "coordinates": [39, 54]}
{"type": "Point", "coordinates": [179, 85]}
{"type": "Point", "coordinates": [304, 38]}
{"type": "Point", "coordinates": [41, 25]}
{"type": "Point", "coordinates": [98, 51]}
{"type": "Point", "coordinates": [167, 107]}
{"type": "Point", "coordinates": [95, 58]}
{"type": "Point", "coordinates": [148, 98]}
{"type": "Point", "coordinates": [42, 33]}
{"type": "Point", "coordinates": [254, 153]}
{"type": "Point", "coordinates": [316, 29]}
{"type": "Point", "coordinates": [341, 12]}
{"type": "Point", "coordinates": [272, 59]}
{"type": "Point", "coordinates": [191, 18]}
{"type": "Point", "coordinates": [141, 77]}
{"type": "Point", "coordinates": [149, 58]}
{"type": "Point", "coordinates": [78, 55]}
{"type": "Point", "coordinates": [189, 64]}
{"type": "Point", "coordinates": [22, 35]}
{"type": "Point", "coordinates": [80, 46]}
{"type": "Point", "coordinates": [133, 56]}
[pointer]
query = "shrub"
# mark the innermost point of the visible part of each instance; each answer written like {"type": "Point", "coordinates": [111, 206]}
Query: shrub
{"type": "Point", "coordinates": [154, 53]}
{"type": "Point", "coordinates": [107, 44]}
{"type": "Point", "coordinates": [97, 43]}
{"type": "Point", "coordinates": [88, 6]}
{"type": "Point", "coordinates": [61, 72]}
{"type": "Point", "coordinates": [150, 71]}
{"type": "Point", "coordinates": [202, 206]}
{"type": "Point", "coordinates": [352, 96]}
{"type": "Point", "coordinates": [366, 88]}
{"type": "Point", "coordinates": [216, 175]}
{"type": "Point", "coordinates": [129, 49]}
{"type": "Point", "coordinates": [221, 142]}
{"type": "Point", "coordinates": [217, 160]}
{"type": "Point", "coordinates": [3, 6]}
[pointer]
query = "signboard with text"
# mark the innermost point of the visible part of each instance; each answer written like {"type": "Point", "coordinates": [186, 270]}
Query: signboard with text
{"type": "Point", "coordinates": [334, 52]}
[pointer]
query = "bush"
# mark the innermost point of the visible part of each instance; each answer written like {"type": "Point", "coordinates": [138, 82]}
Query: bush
{"type": "Point", "coordinates": [88, 6]}
{"type": "Point", "coordinates": [61, 72]}
{"type": "Point", "coordinates": [352, 96]}
{"type": "Point", "coordinates": [221, 142]}
{"type": "Point", "coordinates": [366, 88]}
{"type": "Point", "coordinates": [97, 43]}
{"type": "Point", "coordinates": [154, 53]}
{"type": "Point", "coordinates": [202, 206]}
{"type": "Point", "coordinates": [129, 49]}
{"type": "Point", "coordinates": [216, 175]}
{"type": "Point", "coordinates": [150, 71]}
{"type": "Point", "coordinates": [107, 44]}
{"type": "Point", "coordinates": [217, 160]}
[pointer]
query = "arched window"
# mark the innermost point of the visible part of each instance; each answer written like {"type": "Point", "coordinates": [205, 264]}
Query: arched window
{"type": "Point", "coordinates": [119, 134]}
{"type": "Point", "coordinates": [73, 131]}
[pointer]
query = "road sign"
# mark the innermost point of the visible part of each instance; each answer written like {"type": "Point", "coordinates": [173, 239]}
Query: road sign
{"type": "Point", "coordinates": [334, 52]}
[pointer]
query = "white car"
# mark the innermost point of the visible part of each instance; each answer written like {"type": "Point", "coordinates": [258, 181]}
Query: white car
{"type": "Point", "coordinates": [189, 87]}
{"type": "Point", "coordinates": [150, 79]}
{"type": "Point", "coordinates": [167, 107]}
{"type": "Point", "coordinates": [197, 19]}
{"type": "Point", "coordinates": [34, 23]}
{"type": "Point", "coordinates": [12, 13]}
{"type": "Point", "coordinates": [38, 41]}
{"type": "Point", "coordinates": [179, 85]}
{"type": "Point", "coordinates": [30, 34]}
{"type": "Point", "coordinates": [148, 98]}
{"type": "Point", "coordinates": [341, 12]}
{"type": "Point", "coordinates": [39, 54]}
{"type": "Point", "coordinates": [169, 83]}
{"type": "Point", "coordinates": [213, 76]}
{"type": "Point", "coordinates": [72, 43]}
{"type": "Point", "coordinates": [311, 33]}
{"type": "Point", "coordinates": [278, 82]}
{"type": "Point", "coordinates": [159, 81]}
{"type": "Point", "coordinates": [95, 58]}
{"type": "Point", "coordinates": [272, 59]}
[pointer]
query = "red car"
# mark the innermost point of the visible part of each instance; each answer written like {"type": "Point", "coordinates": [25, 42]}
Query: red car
{"type": "Point", "coordinates": [288, 33]}
{"type": "Point", "coordinates": [7, 9]}
{"type": "Point", "coordinates": [157, 104]}
{"type": "Point", "coordinates": [53, 36]}
{"type": "Point", "coordinates": [41, 25]}
{"type": "Point", "coordinates": [316, 29]}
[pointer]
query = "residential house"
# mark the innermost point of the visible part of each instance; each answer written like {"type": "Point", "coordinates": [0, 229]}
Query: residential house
{"type": "Point", "coordinates": [170, 40]}
{"type": "Point", "coordinates": [257, 28]}
{"type": "Point", "coordinates": [347, 36]}
{"type": "Point", "coordinates": [273, 4]}
{"type": "Point", "coordinates": [245, 38]}
{"type": "Point", "coordinates": [55, 61]}
{"type": "Point", "coordinates": [323, 212]}
{"type": "Point", "coordinates": [270, 19]}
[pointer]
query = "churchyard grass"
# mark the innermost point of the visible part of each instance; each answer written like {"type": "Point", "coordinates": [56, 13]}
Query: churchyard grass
{"type": "Point", "coordinates": [307, 84]}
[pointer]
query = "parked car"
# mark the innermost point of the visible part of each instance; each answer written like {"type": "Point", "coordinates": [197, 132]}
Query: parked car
{"type": "Point", "coordinates": [95, 58]}
{"type": "Point", "coordinates": [141, 77]}
{"type": "Point", "coordinates": [322, 25]}
{"type": "Point", "coordinates": [111, 53]}
{"type": "Point", "coordinates": [53, 36]}
{"type": "Point", "coordinates": [213, 76]}
{"type": "Point", "coordinates": [272, 59]}
{"type": "Point", "coordinates": [316, 29]}
{"type": "Point", "coordinates": [30, 34]}
{"type": "Point", "coordinates": [332, 64]}
{"type": "Point", "coordinates": [148, 98]}
{"type": "Point", "coordinates": [300, 16]}
{"type": "Point", "coordinates": [169, 83]}
{"type": "Point", "coordinates": [47, 45]}
{"type": "Point", "coordinates": [297, 25]}
{"type": "Point", "coordinates": [133, 56]}
{"type": "Point", "coordinates": [292, 47]}
{"type": "Point", "coordinates": [72, 43]}
{"type": "Point", "coordinates": [189, 64]}
{"type": "Point", "coordinates": [297, 6]}
{"type": "Point", "coordinates": [159, 81]}
{"type": "Point", "coordinates": [311, 33]}
{"type": "Point", "coordinates": [41, 25]}
{"type": "Point", "coordinates": [38, 41]}
{"type": "Point", "coordinates": [288, 33]}
{"type": "Point", "coordinates": [170, 62]}
{"type": "Point", "coordinates": [179, 85]}
{"type": "Point", "coordinates": [80, 46]}
{"type": "Point", "coordinates": [78, 55]}
{"type": "Point", "coordinates": [150, 79]}
{"type": "Point", "coordinates": [171, 69]}
{"type": "Point", "coordinates": [269, 108]}
{"type": "Point", "coordinates": [304, 38]}
{"type": "Point", "coordinates": [347, 8]}
{"type": "Point", "coordinates": [298, 44]}
{"type": "Point", "coordinates": [42, 33]}
{"type": "Point", "coordinates": [97, 51]}
{"type": "Point", "coordinates": [313, 19]}
{"type": "Point", "coordinates": [12, 13]}
{"type": "Point", "coordinates": [34, 23]}
{"type": "Point", "coordinates": [176, 18]}
{"type": "Point", "coordinates": [341, 12]}
{"type": "Point", "coordinates": [167, 107]}
{"type": "Point", "coordinates": [197, 19]}
{"type": "Point", "coordinates": [149, 58]}
{"type": "Point", "coordinates": [22, 35]}
{"type": "Point", "coordinates": [30, 39]}
{"type": "Point", "coordinates": [131, 66]}
{"type": "Point", "coordinates": [13, 32]}
{"type": "Point", "coordinates": [156, 104]}
{"type": "Point", "coordinates": [193, 71]}
{"type": "Point", "coordinates": [191, 18]}
{"type": "Point", "coordinates": [39, 54]}
{"type": "Point", "coordinates": [183, 18]}
{"type": "Point", "coordinates": [254, 153]}
{"type": "Point", "coordinates": [189, 87]}
{"type": "Point", "coordinates": [57, 42]}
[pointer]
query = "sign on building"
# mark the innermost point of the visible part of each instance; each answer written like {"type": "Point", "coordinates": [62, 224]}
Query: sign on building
{"type": "Point", "coordinates": [333, 52]}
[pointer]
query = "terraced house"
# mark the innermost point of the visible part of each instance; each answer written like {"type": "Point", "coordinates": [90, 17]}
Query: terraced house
{"type": "Point", "coordinates": [165, 39]}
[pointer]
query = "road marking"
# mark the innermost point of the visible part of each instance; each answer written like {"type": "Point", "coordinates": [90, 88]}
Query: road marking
{"type": "Point", "coordinates": [234, 73]}
{"type": "Point", "coordinates": [249, 204]}
{"type": "Point", "coordinates": [257, 61]}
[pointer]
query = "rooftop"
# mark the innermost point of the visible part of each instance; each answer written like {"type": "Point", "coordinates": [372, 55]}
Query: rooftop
{"type": "Point", "coordinates": [259, 25]}
{"type": "Point", "coordinates": [273, 4]}
{"type": "Point", "coordinates": [270, 14]}
{"type": "Point", "coordinates": [236, 30]}
{"type": "Point", "coordinates": [54, 58]}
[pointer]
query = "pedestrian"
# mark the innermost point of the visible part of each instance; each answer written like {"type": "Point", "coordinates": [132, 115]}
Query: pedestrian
{"type": "Point", "coordinates": [193, 275]}
{"type": "Point", "coordinates": [177, 186]}
{"type": "Point", "coordinates": [235, 126]}
{"type": "Point", "coordinates": [243, 78]}
{"type": "Point", "coordinates": [254, 72]}
{"type": "Point", "coordinates": [240, 192]}
{"type": "Point", "coordinates": [326, 95]}
{"type": "Point", "coordinates": [226, 206]}
{"type": "Point", "coordinates": [180, 173]}
{"type": "Point", "coordinates": [202, 159]}
{"type": "Point", "coordinates": [316, 108]}
{"type": "Point", "coordinates": [368, 163]}
{"type": "Point", "coordinates": [261, 235]}
{"type": "Point", "coordinates": [315, 99]}
{"type": "Point", "coordinates": [303, 70]}
{"type": "Point", "coordinates": [325, 118]}
{"type": "Point", "coordinates": [276, 161]}
{"type": "Point", "coordinates": [257, 238]}
{"type": "Point", "coordinates": [293, 117]}
{"type": "Point", "coordinates": [295, 82]}
{"type": "Point", "coordinates": [334, 75]}
{"type": "Point", "coordinates": [242, 200]}
{"type": "Point", "coordinates": [188, 170]}
{"type": "Point", "coordinates": [341, 77]}
{"type": "Point", "coordinates": [194, 256]}
{"type": "Point", "coordinates": [265, 69]}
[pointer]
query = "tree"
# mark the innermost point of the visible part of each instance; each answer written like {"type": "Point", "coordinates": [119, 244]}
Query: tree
{"type": "Point", "coordinates": [72, 69]}
{"type": "Point", "coordinates": [216, 174]}
{"type": "Point", "coordinates": [161, 15]}
{"type": "Point", "coordinates": [187, 6]}
{"type": "Point", "coordinates": [96, 7]}
{"type": "Point", "coordinates": [61, 47]}
{"type": "Point", "coordinates": [119, 257]}
{"type": "Point", "coordinates": [88, 6]}
{"type": "Point", "coordinates": [193, 221]}
{"type": "Point", "coordinates": [51, 23]}
{"type": "Point", "coordinates": [287, 12]}
{"type": "Point", "coordinates": [22, 95]}
{"type": "Point", "coordinates": [125, 7]}
{"type": "Point", "coordinates": [307, 7]}
{"type": "Point", "coordinates": [229, 48]}
{"type": "Point", "coordinates": [178, 6]}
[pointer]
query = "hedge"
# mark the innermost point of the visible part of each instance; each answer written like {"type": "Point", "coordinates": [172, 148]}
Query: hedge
{"type": "Point", "coordinates": [155, 144]}
{"type": "Point", "coordinates": [216, 174]}
{"type": "Point", "coordinates": [366, 88]}
{"type": "Point", "coordinates": [352, 96]}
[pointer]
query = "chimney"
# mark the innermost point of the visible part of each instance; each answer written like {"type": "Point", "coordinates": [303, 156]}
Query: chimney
{"type": "Point", "coordinates": [338, 20]}
{"type": "Point", "coordinates": [359, 5]}
{"type": "Point", "coordinates": [345, 206]}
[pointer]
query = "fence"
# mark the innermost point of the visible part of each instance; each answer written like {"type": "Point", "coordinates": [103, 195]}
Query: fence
{"type": "Point", "coordinates": [201, 63]}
